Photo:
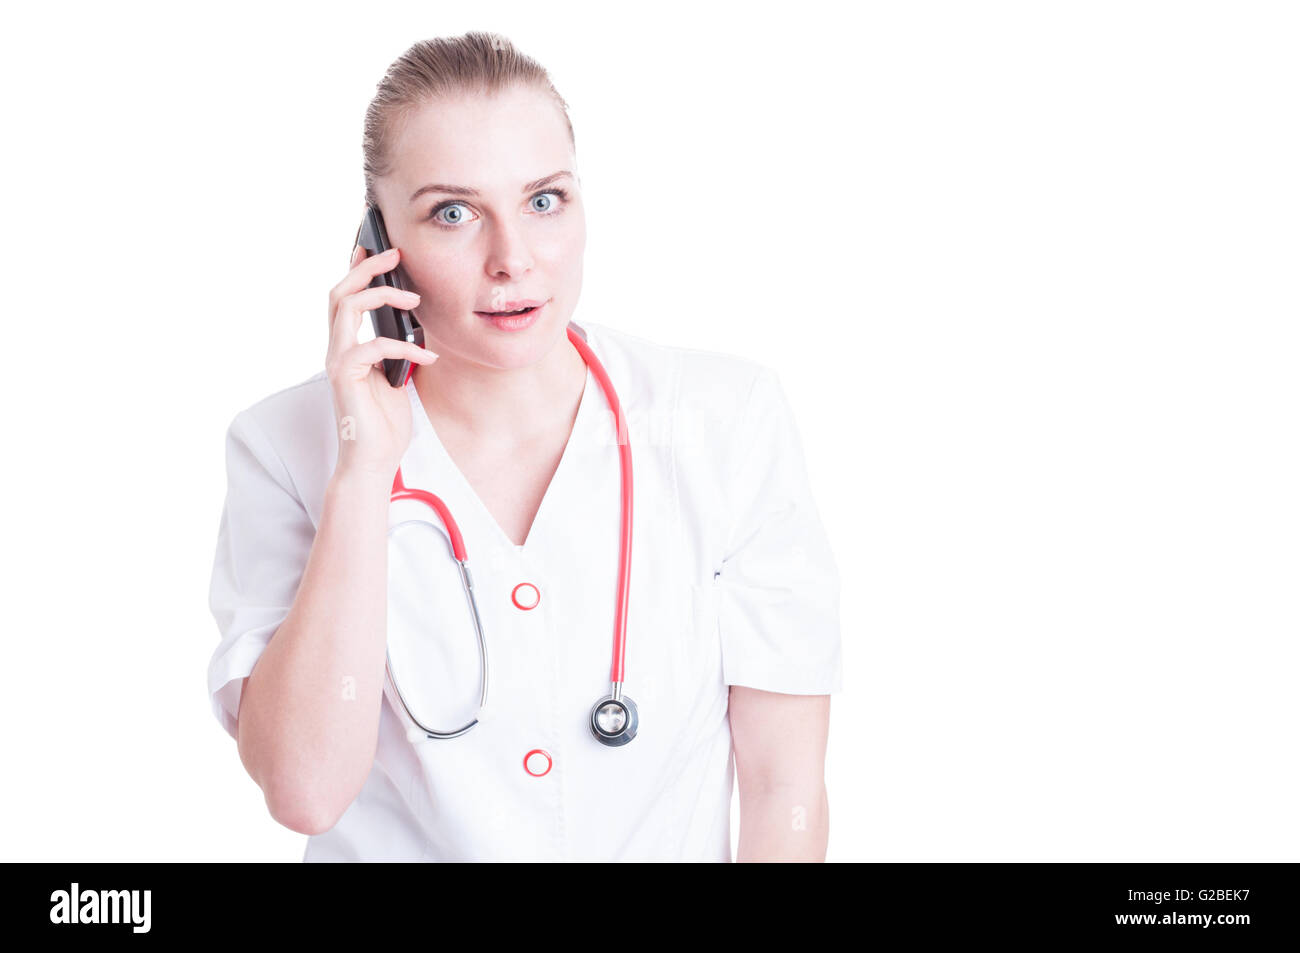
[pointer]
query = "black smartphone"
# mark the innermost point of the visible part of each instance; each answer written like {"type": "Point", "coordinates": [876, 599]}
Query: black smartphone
{"type": "Point", "coordinates": [388, 321]}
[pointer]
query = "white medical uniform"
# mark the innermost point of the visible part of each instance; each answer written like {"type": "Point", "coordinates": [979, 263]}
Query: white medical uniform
{"type": "Point", "coordinates": [733, 583]}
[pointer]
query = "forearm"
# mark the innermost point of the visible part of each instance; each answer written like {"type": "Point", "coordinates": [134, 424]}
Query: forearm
{"type": "Point", "coordinates": [783, 823]}
{"type": "Point", "coordinates": [309, 712]}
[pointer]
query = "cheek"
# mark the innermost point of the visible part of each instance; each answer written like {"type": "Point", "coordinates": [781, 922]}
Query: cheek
{"type": "Point", "coordinates": [442, 277]}
{"type": "Point", "coordinates": [568, 244]}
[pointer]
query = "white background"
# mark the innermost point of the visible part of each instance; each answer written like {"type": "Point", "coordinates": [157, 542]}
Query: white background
{"type": "Point", "coordinates": [1027, 272]}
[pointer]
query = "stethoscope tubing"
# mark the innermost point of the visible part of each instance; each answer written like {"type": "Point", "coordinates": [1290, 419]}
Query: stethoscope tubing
{"type": "Point", "coordinates": [401, 491]}
{"type": "Point", "coordinates": [625, 511]}
{"type": "Point", "coordinates": [467, 583]}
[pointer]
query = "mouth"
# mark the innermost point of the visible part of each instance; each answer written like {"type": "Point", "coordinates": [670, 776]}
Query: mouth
{"type": "Point", "coordinates": [516, 317]}
{"type": "Point", "coordinates": [513, 309]}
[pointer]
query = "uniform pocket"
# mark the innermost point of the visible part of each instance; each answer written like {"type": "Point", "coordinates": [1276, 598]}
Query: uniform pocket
{"type": "Point", "coordinates": [704, 607]}
{"type": "Point", "coordinates": [704, 642]}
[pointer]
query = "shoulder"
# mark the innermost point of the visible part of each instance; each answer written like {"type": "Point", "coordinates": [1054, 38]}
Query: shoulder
{"type": "Point", "coordinates": [291, 431]}
{"type": "Point", "coordinates": [292, 410]}
{"type": "Point", "coordinates": [696, 381]}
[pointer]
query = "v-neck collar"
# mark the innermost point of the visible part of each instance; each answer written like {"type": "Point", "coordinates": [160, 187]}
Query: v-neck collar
{"type": "Point", "coordinates": [445, 468]}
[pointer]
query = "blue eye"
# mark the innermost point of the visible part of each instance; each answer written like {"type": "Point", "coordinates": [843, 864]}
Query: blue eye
{"type": "Point", "coordinates": [542, 195]}
{"type": "Point", "coordinates": [444, 207]}
{"type": "Point", "coordinates": [564, 197]}
{"type": "Point", "coordinates": [551, 207]}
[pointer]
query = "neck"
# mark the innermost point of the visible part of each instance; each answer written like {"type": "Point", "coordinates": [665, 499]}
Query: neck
{"type": "Point", "coordinates": [503, 408]}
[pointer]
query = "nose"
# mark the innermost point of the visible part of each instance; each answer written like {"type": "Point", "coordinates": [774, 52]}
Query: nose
{"type": "Point", "coordinates": [509, 254]}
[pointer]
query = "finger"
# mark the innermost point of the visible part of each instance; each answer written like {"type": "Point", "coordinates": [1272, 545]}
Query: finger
{"type": "Point", "coordinates": [362, 270]}
{"type": "Point", "coordinates": [358, 253]}
{"type": "Point", "coordinates": [358, 359]}
{"type": "Point", "coordinates": [347, 321]}
{"type": "Point", "coordinates": [361, 275]}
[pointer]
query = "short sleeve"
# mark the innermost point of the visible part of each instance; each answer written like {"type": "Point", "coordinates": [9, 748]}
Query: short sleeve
{"type": "Point", "coordinates": [778, 587]}
{"type": "Point", "coordinates": [263, 542]}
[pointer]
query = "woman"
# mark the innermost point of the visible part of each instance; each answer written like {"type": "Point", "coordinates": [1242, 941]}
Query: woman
{"type": "Point", "coordinates": [732, 631]}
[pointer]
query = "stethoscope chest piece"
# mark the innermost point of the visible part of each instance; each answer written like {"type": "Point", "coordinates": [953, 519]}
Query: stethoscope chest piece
{"type": "Point", "coordinates": [614, 720]}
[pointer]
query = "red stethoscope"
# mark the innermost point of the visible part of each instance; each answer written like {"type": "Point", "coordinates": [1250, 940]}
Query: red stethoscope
{"type": "Point", "coordinates": [613, 718]}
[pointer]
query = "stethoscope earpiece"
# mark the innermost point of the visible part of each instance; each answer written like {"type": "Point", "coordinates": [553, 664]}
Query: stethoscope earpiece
{"type": "Point", "coordinates": [614, 720]}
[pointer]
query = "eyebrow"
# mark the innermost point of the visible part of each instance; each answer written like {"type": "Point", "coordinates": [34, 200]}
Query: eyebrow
{"type": "Point", "coordinates": [473, 193]}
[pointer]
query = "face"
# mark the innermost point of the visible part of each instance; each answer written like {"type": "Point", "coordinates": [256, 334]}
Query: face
{"type": "Point", "coordinates": [505, 236]}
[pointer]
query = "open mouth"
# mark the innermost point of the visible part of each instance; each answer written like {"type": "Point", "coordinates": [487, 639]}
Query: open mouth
{"type": "Point", "coordinates": [515, 319]}
{"type": "Point", "coordinates": [514, 308]}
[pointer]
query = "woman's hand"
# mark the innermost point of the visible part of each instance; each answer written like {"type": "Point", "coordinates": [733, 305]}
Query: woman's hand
{"type": "Point", "coordinates": [374, 418]}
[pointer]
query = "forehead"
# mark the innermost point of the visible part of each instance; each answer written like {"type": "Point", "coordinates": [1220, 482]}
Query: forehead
{"type": "Point", "coordinates": [481, 140]}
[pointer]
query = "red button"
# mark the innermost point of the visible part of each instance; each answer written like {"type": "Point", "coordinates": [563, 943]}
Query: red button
{"type": "Point", "coordinates": [526, 596]}
{"type": "Point", "coordinates": [537, 763]}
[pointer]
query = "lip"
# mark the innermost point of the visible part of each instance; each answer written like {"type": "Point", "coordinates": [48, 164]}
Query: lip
{"type": "Point", "coordinates": [516, 305]}
{"type": "Point", "coordinates": [517, 323]}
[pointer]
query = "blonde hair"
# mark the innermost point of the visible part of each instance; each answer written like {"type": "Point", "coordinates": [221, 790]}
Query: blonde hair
{"type": "Point", "coordinates": [430, 70]}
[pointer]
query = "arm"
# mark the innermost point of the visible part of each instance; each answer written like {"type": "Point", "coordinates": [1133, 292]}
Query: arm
{"type": "Point", "coordinates": [780, 746]}
{"type": "Point", "coordinates": [307, 743]}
